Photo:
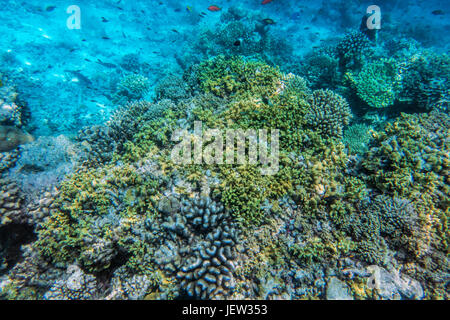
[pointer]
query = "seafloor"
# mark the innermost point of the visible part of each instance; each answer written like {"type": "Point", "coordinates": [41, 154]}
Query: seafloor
{"type": "Point", "coordinates": [94, 205]}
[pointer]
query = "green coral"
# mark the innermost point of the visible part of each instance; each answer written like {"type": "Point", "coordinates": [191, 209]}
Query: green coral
{"type": "Point", "coordinates": [410, 160]}
{"type": "Point", "coordinates": [68, 234]}
{"type": "Point", "coordinates": [357, 137]}
{"type": "Point", "coordinates": [425, 80]}
{"type": "Point", "coordinates": [378, 84]}
{"type": "Point", "coordinates": [411, 155]}
{"type": "Point", "coordinates": [237, 76]}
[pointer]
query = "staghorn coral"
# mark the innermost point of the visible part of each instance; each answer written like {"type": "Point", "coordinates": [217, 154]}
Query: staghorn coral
{"type": "Point", "coordinates": [409, 159]}
{"type": "Point", "coordinates": [321, 70]}
{"type": "Point", "coordinates": [247, 37]}
{"type": "Point", "coordinates": [398, 221]}
{"type": "Point", "coordinates": [328, 112]}
{"type": "Point", "coordinates": [150, 228]}
{"type": "Point", "coordinates": [105, 200]}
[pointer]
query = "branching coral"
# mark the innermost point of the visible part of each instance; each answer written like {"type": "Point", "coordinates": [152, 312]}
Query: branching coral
{"type": "Point", "coordinates": [157, 229]}
{"type": "Point", "coordinates": [410, 159]}
{"type": "Point", "coordinates": [352, 49]}
{"type": "Point", "coordinates": [237, 76]}
{"type": "Point", "coordinates": [131, 87]}
{"type": "Point", "coordinates": [357, 137]}
{"type": "Point", "coordinates": [321, 70]}
{"type": "Point", "coordinates": [328, 113]}
{"type": "Point", "coordinates": [378, 84]}
{"type": "Point", "coordinates": [173, 88]}
{"type": "Point", "coordinates": [411, 155]}
{"type": "Point", "coordinates": [102, 142]}
{"type": "Point", "coordinates": [425, 80]}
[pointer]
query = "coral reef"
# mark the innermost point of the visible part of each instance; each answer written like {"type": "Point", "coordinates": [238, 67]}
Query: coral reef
{"type": "Point", "coordinates": [128, 222]}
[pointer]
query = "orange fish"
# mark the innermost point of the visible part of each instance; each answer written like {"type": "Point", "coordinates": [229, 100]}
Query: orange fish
{"type": "Point", "coordinates": [266, 1]}
{"type": "Point", "coordinates": [214, 8]}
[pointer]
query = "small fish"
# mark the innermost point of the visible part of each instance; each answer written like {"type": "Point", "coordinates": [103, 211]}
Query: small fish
{"type": "Point", "coordinates": [266, 1]}
{"type": "Point", "coordinates": [237, 43]}
{"type": "Point", "coordinates": [268, 21]}
{"type": "Point", "coordinates": [214, 8]}
{"type": "Point", "coordinates": [12, 137]}
{"type": "Point", "coordinates": [177, 10]}
{"type": "Point", "coordinates": [175, 30]}
{"type": "Point", "coordinates": [50, 8]}
{"type": "Point", "coordinates": [104, 19]}
{"type": "Point", "coordinates": [188, 9]}
{"type": "Point", "coordinates": [83, 79]}
{"type": "Point", "coordinates": [106, 38]}
{"type": "Point", "coordinates": [106, 64]}
{"type": "Point", "coordinates": [296, 16]}
{"type": "Point", "coordinates": [438, 12]}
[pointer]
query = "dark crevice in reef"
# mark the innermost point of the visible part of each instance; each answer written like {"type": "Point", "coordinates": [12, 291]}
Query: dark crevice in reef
{"type": "Point", "coordinates": [103, 276]}
{"type": "Point", "coordinates": [12, 237]}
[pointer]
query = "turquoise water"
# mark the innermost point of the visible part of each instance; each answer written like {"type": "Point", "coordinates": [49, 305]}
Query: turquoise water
{"type": "Point", "coordinates": [94, 205]}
